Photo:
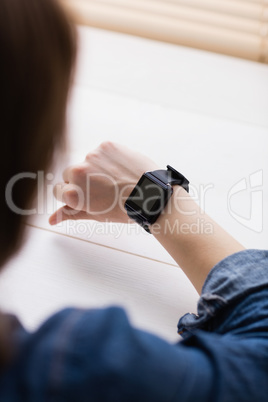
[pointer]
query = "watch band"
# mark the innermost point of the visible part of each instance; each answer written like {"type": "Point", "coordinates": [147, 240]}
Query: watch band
{"type": "Point", "coordinates": [162, 179]}
{"type": "Point", "coordinates": [171, 176]}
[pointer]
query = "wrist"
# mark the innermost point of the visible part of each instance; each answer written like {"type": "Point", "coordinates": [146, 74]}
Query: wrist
{"type": "Point", "coordinates": [177, 218]}
{"type": "Point", "coordinates": [151, 195]}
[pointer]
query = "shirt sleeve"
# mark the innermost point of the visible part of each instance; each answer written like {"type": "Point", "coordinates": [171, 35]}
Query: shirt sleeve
{"type": "Point", "coordinates": [228, 284]}
{"type": "Point", "coordinates": [97, 355]}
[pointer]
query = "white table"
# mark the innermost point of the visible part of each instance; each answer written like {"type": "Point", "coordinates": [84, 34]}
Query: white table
{"type": "Point", "coordinates": [205, 114]}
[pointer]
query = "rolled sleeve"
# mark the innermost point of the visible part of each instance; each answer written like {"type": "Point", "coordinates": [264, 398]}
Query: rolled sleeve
{"type": "Point", "coordinates": [232, 279]}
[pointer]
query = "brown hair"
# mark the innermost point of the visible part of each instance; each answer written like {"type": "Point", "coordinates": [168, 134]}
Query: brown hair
{"type": "Point", "coordinates": [37, 54]}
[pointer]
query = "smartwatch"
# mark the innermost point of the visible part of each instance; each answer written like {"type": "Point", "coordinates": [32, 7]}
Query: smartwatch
{"type": "Point", "coordinates": [151, 194]}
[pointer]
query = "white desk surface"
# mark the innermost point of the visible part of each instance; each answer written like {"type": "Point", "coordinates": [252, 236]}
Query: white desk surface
{"type": "Point", "coordinates": [205, 114]}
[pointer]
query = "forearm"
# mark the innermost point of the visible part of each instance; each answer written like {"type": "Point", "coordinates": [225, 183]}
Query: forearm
{"type": "Point", "coordinates": [192, 238]}
{"type": "Point", "coordinates": [110, 173]}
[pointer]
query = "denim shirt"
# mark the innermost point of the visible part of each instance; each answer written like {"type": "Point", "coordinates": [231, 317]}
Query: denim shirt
{"type": "Point", "coordinates": [96, 355]}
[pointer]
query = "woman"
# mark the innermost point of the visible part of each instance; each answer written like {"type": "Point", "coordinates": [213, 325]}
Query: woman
{"type": "Point", "coordinates": [96, 355]}
{"type": "Point", "coordinates": [38, 49]}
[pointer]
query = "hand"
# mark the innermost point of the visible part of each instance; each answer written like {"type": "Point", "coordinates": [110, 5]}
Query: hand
{"type": "Point", "coordinates": [98, 187]}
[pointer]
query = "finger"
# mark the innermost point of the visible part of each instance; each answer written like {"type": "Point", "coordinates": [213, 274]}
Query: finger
{"type": "Point", "coordinates": [59, 190]}
{"type": "Point", "coordinates": [69, 194]}
{"type": "Point", "coordinates": [67, 213]}
{"type": "Point", "coordinates": [67, 174]}
{"type": "Point", "coordinates": [75, 173]}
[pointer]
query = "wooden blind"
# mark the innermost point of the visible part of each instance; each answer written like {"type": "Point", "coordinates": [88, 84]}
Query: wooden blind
{"type": "Point", "coordinates": [233, 27]}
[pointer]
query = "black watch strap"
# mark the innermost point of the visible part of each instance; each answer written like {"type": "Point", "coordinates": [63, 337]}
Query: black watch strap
{"type": "Point", "coordinates": [163, 179]}
{"type": "Point", "coordinates": [172, 177]}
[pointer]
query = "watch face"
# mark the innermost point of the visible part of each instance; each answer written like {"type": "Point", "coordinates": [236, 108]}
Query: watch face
{"type": "Point", "coordinates": [149, 198]}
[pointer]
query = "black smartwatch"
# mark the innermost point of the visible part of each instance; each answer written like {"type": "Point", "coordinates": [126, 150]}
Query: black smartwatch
{"type": "Point", "coordinates": [151, 194]}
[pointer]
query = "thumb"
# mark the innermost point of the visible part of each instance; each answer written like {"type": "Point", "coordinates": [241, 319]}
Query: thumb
{"type": "Point", "coordinates": [65, 213]}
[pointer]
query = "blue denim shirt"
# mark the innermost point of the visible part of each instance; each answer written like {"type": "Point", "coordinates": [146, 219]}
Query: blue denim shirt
{"type": "Point", "coordinates": [96, 355]}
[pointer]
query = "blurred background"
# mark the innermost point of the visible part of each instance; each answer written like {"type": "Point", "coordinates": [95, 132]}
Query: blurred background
{"type": "Point", "coordinates": [233, 27]}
